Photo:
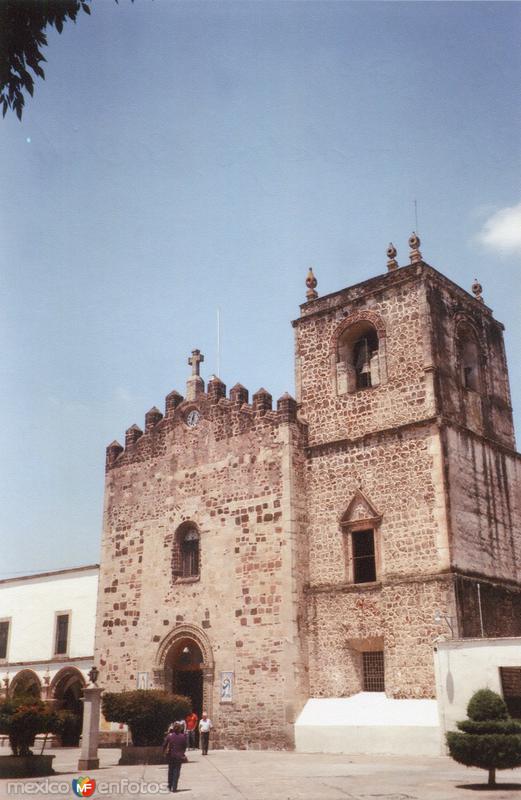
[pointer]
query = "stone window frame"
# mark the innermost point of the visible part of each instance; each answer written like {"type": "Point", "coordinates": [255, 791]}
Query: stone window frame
{"type": "Point", "coordinates": [370, 521]}
{"type": "Point", "coordinates": [177, 555]}
{"type": "Point", "coordinates": [343, 377]}
{"type": "Point", "coordinates": [358, 647]}
{"type": "Point", "coordinates": [9, 620]}
{"type": "Point", "coordinates": [465, 331]}
{"type": "Point", "coordinates": [65, 613]}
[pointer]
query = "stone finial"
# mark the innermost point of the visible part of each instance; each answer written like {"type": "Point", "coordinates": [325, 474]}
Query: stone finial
{"type": "Point", "coordinates": [311, 283]}
{"type": "Point", "coordinates": [239, 394]}
{"type": "Point", "coordinates": [113, 451]}
{"type": "Point", "coordinates": [262, 401]}
{"type": "Point", "coordinates": [414, 244]}
{"type": "Point", "coordinates": [152, 417]}
{"type": "Point", "coordinates": [392, 252]}
{"type": "Point", "coordinates": [216, 389]}
{"type": "Point", "coordinates": [477, 290]}
{"type": "Point", "coordinates": [132, 434]}
{"type": "Point", "coordinates": [172, 400]}
{"type": "Point", "coordinates": [287, 408]}
{"type": "Point", "coordinates": [195, 384]}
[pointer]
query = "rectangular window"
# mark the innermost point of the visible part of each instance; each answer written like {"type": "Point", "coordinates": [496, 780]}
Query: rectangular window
{"type": "Point", "coordinates": [364, 561]}
{"type": "Point", "coordinates": [4, 638]}
{"type": "Point", "coordinates": [62, 634]}
{"type": "Point", "coordinates": [374, 679]}
{"type": "Point", "coordinates": [511, 685]}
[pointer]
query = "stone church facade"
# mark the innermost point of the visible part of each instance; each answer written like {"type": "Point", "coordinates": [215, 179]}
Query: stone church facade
{"type": "Point", "coordinates": [254, 557]}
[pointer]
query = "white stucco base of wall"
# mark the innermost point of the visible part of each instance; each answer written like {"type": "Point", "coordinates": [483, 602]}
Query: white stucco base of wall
{"type": "Point", "coordinates": [368, 722]}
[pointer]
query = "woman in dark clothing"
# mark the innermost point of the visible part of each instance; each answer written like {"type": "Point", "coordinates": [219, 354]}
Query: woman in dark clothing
{"type": "Point", "coordinates": [174, 748]}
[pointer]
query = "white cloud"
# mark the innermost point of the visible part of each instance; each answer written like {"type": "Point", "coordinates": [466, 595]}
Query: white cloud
{"type": "Point", "coordinates": [502, 231]}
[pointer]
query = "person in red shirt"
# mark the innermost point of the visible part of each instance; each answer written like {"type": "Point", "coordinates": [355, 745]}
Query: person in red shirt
{"type": "Point", "coordinates": [191, 727]}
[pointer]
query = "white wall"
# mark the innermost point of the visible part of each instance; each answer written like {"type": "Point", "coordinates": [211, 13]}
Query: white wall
{"type": "Point", "coordinates": [466, 665]}
{"type": "Point", "coordinates": [32, 604]}
{"type": "Point", "coordinates": [368, 722]}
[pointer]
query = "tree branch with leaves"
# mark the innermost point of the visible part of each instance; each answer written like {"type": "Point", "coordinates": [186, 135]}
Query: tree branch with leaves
{"type": "Point", "coordinates": [22, 37]}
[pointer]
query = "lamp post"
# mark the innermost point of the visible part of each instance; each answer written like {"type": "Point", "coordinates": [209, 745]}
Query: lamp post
{"type": "Point", "coordinates": [91, 715]}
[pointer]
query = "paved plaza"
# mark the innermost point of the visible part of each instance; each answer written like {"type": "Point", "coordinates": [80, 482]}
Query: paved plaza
{"type": "Point", "coordinates": [264, 775]}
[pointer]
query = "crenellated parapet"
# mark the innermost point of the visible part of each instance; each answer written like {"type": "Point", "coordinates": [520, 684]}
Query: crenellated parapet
{"type": "Point", "coordinates": [227, 417]}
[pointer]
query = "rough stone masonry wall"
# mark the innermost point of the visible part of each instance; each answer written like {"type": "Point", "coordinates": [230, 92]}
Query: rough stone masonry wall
{"type": "Point", "coordinates": [396, 617]}
{"type": "Point", "coordinates": [384, 441]}
{"type": "Point", "coordinates": [229, 475]}
{"type": "Point", "coordinates": [483, 470]}
{"type": "Point", "coordinates": [489, 411]}
{"type": "Point", "coordinates": [401, 476]}
{"type": "Point", "coordinates": [398, 300]}
{"type": "Point", "coordinates": [485, 502]}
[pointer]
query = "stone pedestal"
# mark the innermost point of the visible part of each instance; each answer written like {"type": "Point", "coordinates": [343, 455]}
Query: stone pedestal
{"type": "Point", "coordinates": [90, 733]}
{"type": "Point", "coordinates": [194, 387]}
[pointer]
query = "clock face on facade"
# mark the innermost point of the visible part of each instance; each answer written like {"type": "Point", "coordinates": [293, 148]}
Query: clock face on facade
{"type": "Point", "coordinates": [192, 418]}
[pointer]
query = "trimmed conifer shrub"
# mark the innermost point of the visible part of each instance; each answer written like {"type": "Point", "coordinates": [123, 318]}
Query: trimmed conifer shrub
{"type": "Point", "coordinates": [489, 739]}
{"type": "Point", "coordinates": [146, 712]}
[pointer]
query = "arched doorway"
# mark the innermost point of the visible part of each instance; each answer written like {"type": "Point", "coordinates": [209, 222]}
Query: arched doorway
{"type": "Point", "coordinates": [184, 665]}
{"type": "Point", "coordinates": [66, 690]}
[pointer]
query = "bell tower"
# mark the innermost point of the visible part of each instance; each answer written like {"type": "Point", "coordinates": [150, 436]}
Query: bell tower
{"type": "Point", "coordinates": [402, 380]}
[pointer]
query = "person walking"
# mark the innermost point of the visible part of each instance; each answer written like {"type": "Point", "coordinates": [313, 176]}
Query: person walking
{"type": "Point", "coordinates": [174, 748]}
{"type": "Point", "coordinates": [191, 726]}
{"type": "Point", "coordinates": [205, 726]}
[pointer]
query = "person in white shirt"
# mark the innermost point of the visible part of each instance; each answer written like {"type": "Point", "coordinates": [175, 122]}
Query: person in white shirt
{"type": "Point", "coordinates": [205, 726]}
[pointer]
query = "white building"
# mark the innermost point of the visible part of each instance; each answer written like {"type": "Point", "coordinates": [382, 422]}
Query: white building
{"type": "Point", "coordinates": [47, 624]}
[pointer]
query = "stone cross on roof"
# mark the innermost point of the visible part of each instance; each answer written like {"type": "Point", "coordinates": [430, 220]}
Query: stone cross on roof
{"type": "Point", "coordinates": [195, 360]}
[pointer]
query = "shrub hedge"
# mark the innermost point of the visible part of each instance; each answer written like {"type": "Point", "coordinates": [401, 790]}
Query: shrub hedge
{"type": "Point", "coordinates": [146, 712]}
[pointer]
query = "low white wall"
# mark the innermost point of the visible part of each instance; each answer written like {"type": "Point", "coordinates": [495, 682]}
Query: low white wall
{"type": "Point", "coordinates": [465, 665]}
{"type": "Point", "coordinates": [368, 722]}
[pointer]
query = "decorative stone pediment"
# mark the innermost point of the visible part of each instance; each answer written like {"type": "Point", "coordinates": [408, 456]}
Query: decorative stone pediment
{"type": "Point", "coordinates": [360, 510]}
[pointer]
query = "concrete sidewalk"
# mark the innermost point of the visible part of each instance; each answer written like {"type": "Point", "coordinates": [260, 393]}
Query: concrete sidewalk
{"type": "Point", "coordinates": [265, 775]}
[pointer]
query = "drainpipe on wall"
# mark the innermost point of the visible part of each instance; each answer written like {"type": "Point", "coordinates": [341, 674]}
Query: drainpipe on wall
{"type": "Point", "coordinates": [480, 611]}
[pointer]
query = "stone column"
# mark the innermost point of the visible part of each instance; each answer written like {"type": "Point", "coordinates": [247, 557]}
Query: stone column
{"type": "Point", "coordinates": [90, 733]}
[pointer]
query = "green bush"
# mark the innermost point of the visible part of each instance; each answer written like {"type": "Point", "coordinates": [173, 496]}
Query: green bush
{"type": "Point", "coordinates": [68, 728]}
{"type": "Point", "coordinates": [146, 712]}
{"type": "Point", "coordinates": [490, 726]}
{"type": "Point", "coordinates": [486, 704]}
{"type": "Point", "coordinates": [486, 741]}
{"type": "Point", "coordinates": [21, 719]}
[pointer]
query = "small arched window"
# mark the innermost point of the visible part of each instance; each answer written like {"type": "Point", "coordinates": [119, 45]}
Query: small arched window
{"type": "Point", "coordinates": [469, 356]}
{"type": "Point", "coordinates": [185, 555]}
{"type": "Point", "coordinates": [190, 553]}
{"type": "Point", "coordinates": [358, 363]}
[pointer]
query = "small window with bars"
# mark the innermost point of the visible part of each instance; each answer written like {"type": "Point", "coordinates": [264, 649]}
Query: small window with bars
{"type": "Point", "coordinates": [511, 685]}
{"type": "Point", "coordinates": [62, 635]}
{"type": "Point", "coordinates": [4, 638]}
{"type": "Point", "coordinates": [364, 557]}
{"type": "Point", "coordinates": [374, 677]}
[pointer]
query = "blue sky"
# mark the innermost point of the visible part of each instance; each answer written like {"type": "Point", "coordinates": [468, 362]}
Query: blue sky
{"type": "Point", "coordinates": [181, 157]}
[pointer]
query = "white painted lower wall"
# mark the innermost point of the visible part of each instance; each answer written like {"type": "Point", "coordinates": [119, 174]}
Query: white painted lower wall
{"type": "Point", "coordinates": [368, 722]}
{"type": "Point", "coordinates": [465, 665]}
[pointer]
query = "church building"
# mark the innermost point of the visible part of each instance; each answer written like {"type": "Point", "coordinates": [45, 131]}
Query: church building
{"type": "Point", "coordinates": [255, 557]}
